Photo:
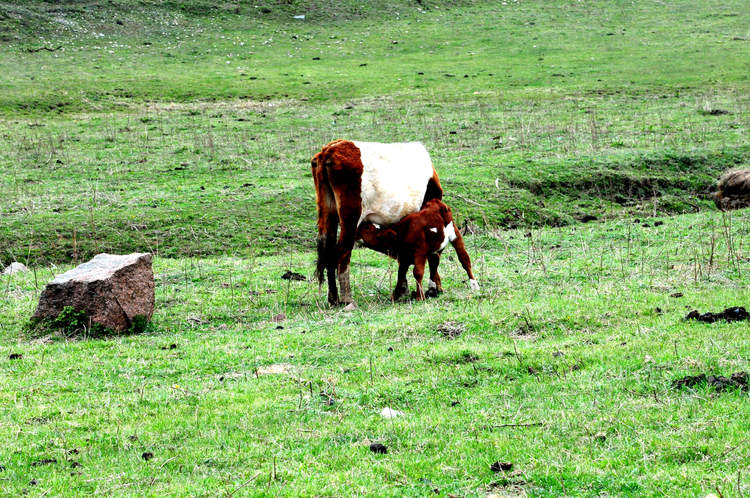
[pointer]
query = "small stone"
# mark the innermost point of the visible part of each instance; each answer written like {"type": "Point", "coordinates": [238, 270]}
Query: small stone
{"type": "Point", "coordinates": [390, 413]}
{"type": "Point", "coordinates": [15, 267]}
{"type": "Point", "coordinates": [600, 437]}
{"type": "Point", "coordinates": [275, 369]}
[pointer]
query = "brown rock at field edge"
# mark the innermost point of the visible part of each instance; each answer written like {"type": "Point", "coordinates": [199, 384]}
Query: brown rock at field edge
{"type": "Point", "coordinates": [111, 289]}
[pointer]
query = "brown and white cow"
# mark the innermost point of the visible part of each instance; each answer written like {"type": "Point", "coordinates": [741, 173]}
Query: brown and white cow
{"type": "Point", "coordinates": [419, 238]}
{"type": "Point", "coordinates": [365, 181]}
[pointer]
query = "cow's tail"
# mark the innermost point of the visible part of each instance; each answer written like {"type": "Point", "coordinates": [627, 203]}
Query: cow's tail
{"type": "Point", "coordinates": [328, 222]}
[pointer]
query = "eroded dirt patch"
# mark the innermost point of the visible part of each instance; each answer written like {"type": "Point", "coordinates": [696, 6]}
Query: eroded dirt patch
{"type": "Point", "coordinates": [735, 314]}
{"type": "Point", "coordinates": [451, 330]}
{"type": "Point", "coordinates": [292, 275]}
{"type": "Point", "coordinates": [738, 380]}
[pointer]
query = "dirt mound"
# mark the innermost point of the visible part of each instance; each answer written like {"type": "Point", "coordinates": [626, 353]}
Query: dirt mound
{"type": "Point", "coordinates": [738, 380]}
{"type": "Point", "coordinates": [735, 314]}
{"type": "Point", "coordinates": [292, 275]}
{"type": "Point", "coordinates": [451, 330]}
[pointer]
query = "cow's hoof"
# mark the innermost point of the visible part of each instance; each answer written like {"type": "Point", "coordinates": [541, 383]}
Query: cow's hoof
{"type": "Point", "coordinates": [417, 297]}
{"type": "Point", "coordinates": [474, 285]}
{"type": "Point", "coordinates": [432, 292]}
{"type": "Point", "coordinates": [350, 307]}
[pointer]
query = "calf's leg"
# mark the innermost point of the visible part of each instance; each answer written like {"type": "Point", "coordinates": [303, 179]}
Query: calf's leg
{"type": "Point", "coordinates": [434, 285]}
{"type": "Point", "coordinates": [402, 287]}
{"type": "Point", "coordinates": [463, 257]}
{"type": "Point", "coordinates": [419, 262]}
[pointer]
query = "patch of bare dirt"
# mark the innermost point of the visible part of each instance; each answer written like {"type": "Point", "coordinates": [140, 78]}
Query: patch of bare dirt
{"type": "Point", "coordinates": [451, 330]}
{"type": "Point", "coordinates": [738, 380]}
{"type": "Point", "coordinates": [275, 369]}
{"type": "Point", "coordinates": [736, 314]}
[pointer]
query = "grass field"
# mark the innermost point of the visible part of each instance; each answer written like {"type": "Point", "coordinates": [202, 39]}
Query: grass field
{"type": "Point", "coordinates": [186, 129]}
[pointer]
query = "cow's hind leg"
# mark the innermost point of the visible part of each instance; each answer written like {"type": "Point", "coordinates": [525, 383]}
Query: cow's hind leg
{"type": "Point", "coordinates": [347, 236]}
{"type": "Point", "coordinates": [331, 261]}
{"type": "Point", "coordinates": [328, 222]}
{"type": "Point", "coordinates": [434, 286]}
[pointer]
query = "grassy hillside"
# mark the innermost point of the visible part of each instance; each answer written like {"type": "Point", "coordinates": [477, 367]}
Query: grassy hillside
{"type": "Point", "coordinates": [186, 129]}
{"type": "Point", "coordinates": [518, 51]}
{"type": "Point", "coordinates": [178, 128]}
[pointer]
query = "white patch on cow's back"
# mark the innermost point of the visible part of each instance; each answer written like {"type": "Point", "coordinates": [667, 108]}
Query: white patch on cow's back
{"type": "Point", "coordinates": [394, 180]}
{"type": "Point", "coordinates": [450, 235]}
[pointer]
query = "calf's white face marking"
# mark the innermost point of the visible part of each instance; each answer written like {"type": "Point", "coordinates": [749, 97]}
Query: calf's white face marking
{"type": "Point", "coordinates": [450, 235]}
{"type": "Point", "coordinates": [394, 180]}
{"type": "Point", "coordinates": [433, 229]}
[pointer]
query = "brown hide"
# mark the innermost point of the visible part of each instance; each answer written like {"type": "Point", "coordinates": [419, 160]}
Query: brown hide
{"type": "Point", "coordinates": [413, 242]}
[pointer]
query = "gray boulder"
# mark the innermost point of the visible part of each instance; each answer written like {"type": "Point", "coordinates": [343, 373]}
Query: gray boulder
{"type": "Point", "coordinates": [15, 267]}
{"type": "Point", "coordinates": [112, 289]}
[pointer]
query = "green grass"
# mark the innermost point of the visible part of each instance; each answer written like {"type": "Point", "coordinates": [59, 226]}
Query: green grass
{"type": "Point", "coordinates": [186, 129]}
{"type": "Point", "coordinates": [564, 334]}
{"type": "Point", "coordinates": [109, 144]}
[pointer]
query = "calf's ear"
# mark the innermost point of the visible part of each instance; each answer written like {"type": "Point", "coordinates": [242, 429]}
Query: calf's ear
{"type": "Point", "coordinates": [389, 236]}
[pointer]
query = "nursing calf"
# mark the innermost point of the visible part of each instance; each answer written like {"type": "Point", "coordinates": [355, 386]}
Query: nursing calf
{"type": "Point", "coordinates": [419, 238]}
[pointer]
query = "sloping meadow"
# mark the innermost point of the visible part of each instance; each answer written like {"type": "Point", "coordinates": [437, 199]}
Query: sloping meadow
{"type": "Point", "coordinates": [234, 178]}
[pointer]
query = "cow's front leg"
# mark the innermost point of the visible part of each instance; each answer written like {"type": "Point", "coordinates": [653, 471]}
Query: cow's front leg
{"type": "Point", "coordinates": [402, 286]}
